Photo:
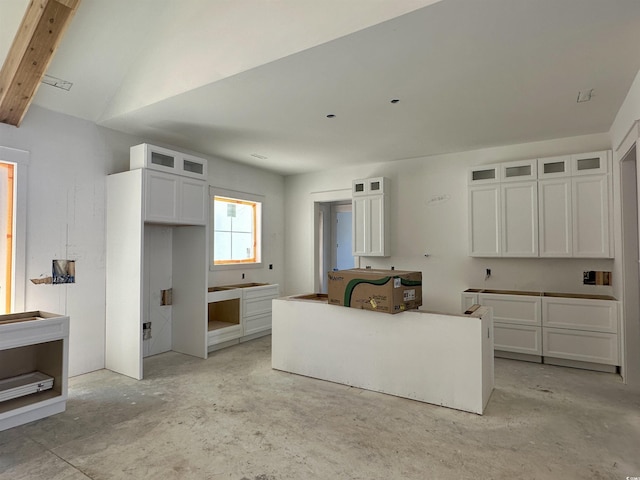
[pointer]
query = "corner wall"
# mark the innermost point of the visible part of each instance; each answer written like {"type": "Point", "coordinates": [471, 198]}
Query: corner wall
{"type": "Point", "coordinates": [421, 226]}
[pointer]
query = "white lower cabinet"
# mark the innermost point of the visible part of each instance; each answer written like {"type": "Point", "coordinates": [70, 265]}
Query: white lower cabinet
{"type": "Point", "coordinates": [583, 346]}
{"type": "Point", "coordinates": [515, 338]}
{"type": "Point", "coordinates": [516, 322]}
{"type": "Point", "coordinates": [239, 312]}
{"type": "Point", "coordinates": [256, 308]}
{"type": "Point", "coordinates": [581, 329]}
{"type": "Point", "coordinates": [34, 359]}
{"type": "Point", "coordinates": [572, 328]}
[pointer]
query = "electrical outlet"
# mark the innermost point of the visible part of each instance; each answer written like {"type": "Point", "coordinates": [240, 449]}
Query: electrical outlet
{"type": "Point", "coordinates": [487, 273]}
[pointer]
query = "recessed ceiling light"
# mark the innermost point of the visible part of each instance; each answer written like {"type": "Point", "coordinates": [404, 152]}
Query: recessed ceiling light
{"type": "Point", "coordinates": [331, 115]}
{"type": "Point", "coordinates": [584, 95]}
{"type": "Point", "coordinates": [261, 157]}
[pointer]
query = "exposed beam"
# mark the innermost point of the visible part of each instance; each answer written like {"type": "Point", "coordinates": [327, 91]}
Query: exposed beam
{"type": "Point", "coordinates": [40, 32]}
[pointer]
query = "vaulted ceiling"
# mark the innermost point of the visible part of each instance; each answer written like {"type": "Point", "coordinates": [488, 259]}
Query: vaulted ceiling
{"type": "Point", "coordinates": [254, 80]}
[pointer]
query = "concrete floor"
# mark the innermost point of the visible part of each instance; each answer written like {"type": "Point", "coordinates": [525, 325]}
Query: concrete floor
{"type": "Point", "coordinates": [232, 417]}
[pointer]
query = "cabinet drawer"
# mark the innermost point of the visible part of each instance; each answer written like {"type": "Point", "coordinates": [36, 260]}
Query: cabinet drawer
{"type": "Point", "coordinates": [583, 346]}
{"type": "Point", "coordinates": [515, 309]}
{"type": "Point", "coordinates": [258, 323]}
{"type": "Point", "coordinates": [580, 314]}
{"type": "Point", "coordinates": [270, 291]}
{"type": "Point", "coordinates": [256, 306]}
{"type": "Point", "coordinates": [517, 338]}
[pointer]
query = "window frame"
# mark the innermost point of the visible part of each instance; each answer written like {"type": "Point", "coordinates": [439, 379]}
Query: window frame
{"type": "Point", "coordinates": [20, 160]}
{"type": "Point", "coordinates": [241, 197]}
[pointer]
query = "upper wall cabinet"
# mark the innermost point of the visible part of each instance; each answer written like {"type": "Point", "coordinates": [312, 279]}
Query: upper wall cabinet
{"type": "Point", "coordinates": [175, 187]}
{"type": "Point", "coordinates": [503, 210]}
{"type": "Point", "coordinates": [549, 207]}
{"type": "Point", "coordinates": [168, 161]}
{"type": "Point", "coordinates": [370, 213]}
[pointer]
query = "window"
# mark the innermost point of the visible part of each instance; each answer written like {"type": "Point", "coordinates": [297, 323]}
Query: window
{"type": "Point", "coordinates": [236, 228]}
{"type": "Point", "coordinates": [13, 201]}
{"type": "Point", "coordinates": [7, 209]}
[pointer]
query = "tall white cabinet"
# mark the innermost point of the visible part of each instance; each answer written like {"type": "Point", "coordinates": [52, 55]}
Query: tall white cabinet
{"type": "Point", "coordinates": [370, 214]}
{"type": "Point", "coordinates": [138, 202]}
{"type": "Point", "coordinates": [549, 207]}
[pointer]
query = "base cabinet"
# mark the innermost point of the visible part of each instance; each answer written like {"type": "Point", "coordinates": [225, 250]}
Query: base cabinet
{"type": "Point", "coordinates": [552, 326]}
{"type": "Point", "coordinates": [34, 358]}
{"type": "Point", "coordinates": [582, 346]}
{"type": "Point", "coordinates": [249, 319]}
{"type": "Point", "coordinates": [515, 338]}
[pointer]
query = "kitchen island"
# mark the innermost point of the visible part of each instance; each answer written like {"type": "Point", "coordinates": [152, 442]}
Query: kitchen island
{"type": "Point", "coordinates": [435, 358]}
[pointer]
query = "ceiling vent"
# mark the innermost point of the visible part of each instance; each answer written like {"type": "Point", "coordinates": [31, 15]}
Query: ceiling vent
{"type": "Point", "coordinates": [56, 82]}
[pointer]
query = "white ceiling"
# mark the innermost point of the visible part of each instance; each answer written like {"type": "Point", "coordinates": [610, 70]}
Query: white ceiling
{"type": "Point", "coordinates": [236, 78]}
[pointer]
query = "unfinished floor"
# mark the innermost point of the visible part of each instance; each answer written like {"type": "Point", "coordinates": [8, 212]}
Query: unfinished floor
{"type": "Point", "coordinates": [232, 417]}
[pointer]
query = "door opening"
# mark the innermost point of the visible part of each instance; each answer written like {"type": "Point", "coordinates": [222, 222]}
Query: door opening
{"type": "Point", "coordinates": [631, 274]}
{"type": "Point", "coordinates": [334, 239]}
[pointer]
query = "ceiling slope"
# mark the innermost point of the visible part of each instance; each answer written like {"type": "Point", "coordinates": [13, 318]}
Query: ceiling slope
{"type": "Point", "coordinates": [33, 47]}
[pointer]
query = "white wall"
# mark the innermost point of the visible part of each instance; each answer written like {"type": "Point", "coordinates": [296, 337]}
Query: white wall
{"type": "Point", "coordinates": [624, 134]}
{"type": "Point", "coordinates": [69, 161]}
{"type": "Point", "coordinates": [438, 229]}
{"type": "Point", "coordinates": [246, 179]}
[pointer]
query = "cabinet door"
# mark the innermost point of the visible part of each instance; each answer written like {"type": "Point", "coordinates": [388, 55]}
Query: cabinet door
{"type": "Point", "coordinates": [590, 195]}
{"type": "Point", "coordinates": [589, 163]}
{"type": "Point", "coordinates": [554, 217]}
{"type": "Point", "coordinates": [193, 202]}
{"type": "Point", "coordinates": [551, 167]}
{"type": "Point", "coordinates": [161, 197]}
{"type": "Point", "coordinates": [519, 171]}
{"type": "Point", "coordinates": [369, 235]}
{"type": "Point", "coordinates": [519, 219]}
{"type": "Point", "coordinates": [484, 221]}
{"type": "Point", "coordinates": [484, 174]}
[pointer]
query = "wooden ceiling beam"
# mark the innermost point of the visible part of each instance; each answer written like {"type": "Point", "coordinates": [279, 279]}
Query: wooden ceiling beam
{"type": "Point", "coordinates": [37, 39]}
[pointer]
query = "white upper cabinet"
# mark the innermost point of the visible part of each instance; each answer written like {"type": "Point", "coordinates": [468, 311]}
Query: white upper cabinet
{"type": "Point", "coordinates": [484, 221]}
{"type": "Point", "coordinates": [553, 167]}
{"type": "Point", "coordinates": [484, 174]}
{"type": "Point", "coordinates": [555, 217]}
{"type": "Point", "coordinates": [519, 171]}
{"type": "Point", "coordinates": [503, 214]}
{"type": "Point", "coordinates": [370, 213]}
{"type": "Point", "coordinates": [549, 207]}
{"type": "Point", "coordinates": [591, 216]}
{"type": "Point", "coordinates": [168, 161]}
{"type": "Point", "coordinates": [173, 199]}
{"type": "Point", "coordinates": [590, 163]}
{"type": "Point", "coordinates": [519, 219]}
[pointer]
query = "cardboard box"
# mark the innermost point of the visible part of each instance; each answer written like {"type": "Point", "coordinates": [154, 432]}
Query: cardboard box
{"type": "Point", "coordinates": [389, 291]}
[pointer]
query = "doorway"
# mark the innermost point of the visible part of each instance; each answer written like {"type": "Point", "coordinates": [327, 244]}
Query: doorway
{"type": "Point", "coordinates": [334, 239]}
{"type": "Point", "coordinates": [630, 265]}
